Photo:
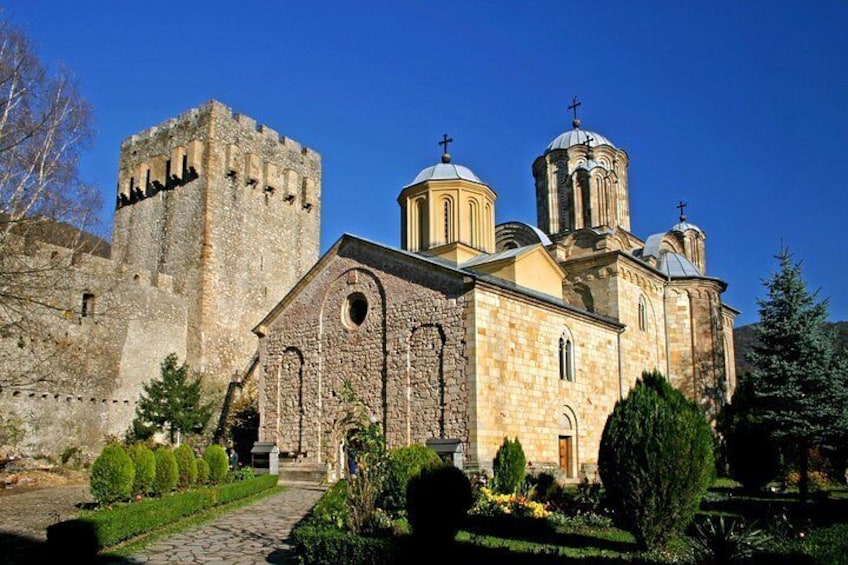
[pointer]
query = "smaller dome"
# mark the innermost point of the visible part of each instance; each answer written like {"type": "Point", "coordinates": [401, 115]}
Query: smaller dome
{"type": "Point", "coordinates": [446, 171]}
{"type": "Point", "coordinates": [685, 226]}
{"type": "Point", "coordinates": [578, 136]}
{"type": "Point", "coordinates": [675, 265]}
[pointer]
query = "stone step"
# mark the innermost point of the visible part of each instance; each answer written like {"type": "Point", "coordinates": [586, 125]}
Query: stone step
{"type": "Point", "coordinates": [293, 472]}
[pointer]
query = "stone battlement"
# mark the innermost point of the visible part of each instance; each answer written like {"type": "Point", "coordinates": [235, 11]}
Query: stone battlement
{"type": "Point", "coordinates": [247, 125]}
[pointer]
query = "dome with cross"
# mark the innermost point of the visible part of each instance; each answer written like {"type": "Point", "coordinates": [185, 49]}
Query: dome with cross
{"type": "Point", "coordinates": [578, 136]}
{"type": "Point", "coordinates": [446, 170]}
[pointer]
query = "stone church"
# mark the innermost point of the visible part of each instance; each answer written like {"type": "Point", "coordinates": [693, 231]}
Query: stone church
{"type": "Point", "coordinates": [217, 217]}
{"type": "Point", "coordinates": [472, 331]}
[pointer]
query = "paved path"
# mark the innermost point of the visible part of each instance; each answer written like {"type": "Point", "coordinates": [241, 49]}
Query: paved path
{"type": "Point", "coordinates": [29, 513]}
{"type": "Point", "coordinates": [254, 534]}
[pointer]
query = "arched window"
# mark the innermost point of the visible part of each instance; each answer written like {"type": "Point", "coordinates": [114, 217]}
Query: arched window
{"type": "Point", "coordinates": [447, 210]}
{"type": "Point", "coordinates": [473, 223]}
{"type": "Point", "coordinates": [421, 214]}
{"type": "Point", "coordinates": [566, 357]}
{"type": "Point", "coordinates": [487, 226]}
{"type": "Point", "coordinates": [643, 314]}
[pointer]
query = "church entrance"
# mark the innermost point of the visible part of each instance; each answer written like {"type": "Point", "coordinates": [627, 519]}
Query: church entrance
{"type": "Point", "coordinates": [566, 456]}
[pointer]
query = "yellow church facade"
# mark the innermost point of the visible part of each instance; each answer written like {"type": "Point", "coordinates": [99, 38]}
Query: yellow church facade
{"type": "Point", "coordinates": [472, 331]}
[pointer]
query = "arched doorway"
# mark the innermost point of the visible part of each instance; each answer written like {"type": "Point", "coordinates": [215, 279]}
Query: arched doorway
{"type": "Point", "coordinates": [567, 443]}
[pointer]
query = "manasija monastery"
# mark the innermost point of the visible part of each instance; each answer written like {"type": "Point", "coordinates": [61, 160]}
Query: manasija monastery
{"type": "Point", "coordinates": [469, 332]}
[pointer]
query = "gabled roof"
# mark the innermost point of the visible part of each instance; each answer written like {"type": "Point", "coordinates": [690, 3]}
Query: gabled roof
{"type": "Point", "coordinates": [435, 262]}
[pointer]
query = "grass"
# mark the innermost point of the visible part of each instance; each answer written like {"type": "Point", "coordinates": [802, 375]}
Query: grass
{"type": "Point", "coordinates": [802, 532]}
{"type": "Point", "coordinates": [139, 543]}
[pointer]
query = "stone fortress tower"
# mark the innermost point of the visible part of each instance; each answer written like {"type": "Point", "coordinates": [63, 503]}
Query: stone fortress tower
{"type": "Point", "coordinates": [217, 217]}
{"type": "Point", "coordinates": [231, 210]}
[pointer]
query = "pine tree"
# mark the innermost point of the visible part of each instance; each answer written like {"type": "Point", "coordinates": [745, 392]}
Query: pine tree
{"type": "Point", "coordinates": [798, 379]}
{"type": "Point", "coordinates": [172, 404]}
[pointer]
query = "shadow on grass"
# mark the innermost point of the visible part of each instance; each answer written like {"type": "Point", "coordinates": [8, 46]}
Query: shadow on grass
{"type": "Point", "coordinates": [541, 531]}
{"type": "Point", "coordinates": [765, 506]}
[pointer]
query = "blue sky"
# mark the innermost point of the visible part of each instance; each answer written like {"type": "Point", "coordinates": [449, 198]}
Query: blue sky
{"type": "Point", "coordinates": [738, 108]}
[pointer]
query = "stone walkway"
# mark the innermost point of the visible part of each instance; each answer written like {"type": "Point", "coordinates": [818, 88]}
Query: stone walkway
{"type": "Point", "coordinates": [254, 534]}
{"type": "Point", "coordinates": [28, 514]}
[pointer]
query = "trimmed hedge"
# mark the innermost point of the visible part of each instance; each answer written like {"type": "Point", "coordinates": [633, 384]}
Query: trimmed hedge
{"type": "Point", "coordinates": [202, 471]}
{"type": "Point", "coordinates": [166, 471]}
{"type": "Point", "coordinates": [319, 545]}
{"type": "Point", "coordinates": [403, 464]}
{"type": "Point", "coordinates": [117, 524]}
{"type": "Point", "coordinates": [186, 466]}
{"type": "Point", "coordinates": [437, 501]}
{"type": "Point", "coordinates": [145, 468]}
{"type": "Point", "coordinates": [510, 467]}
{"type": "Point", "coordinates": [216, 457]}
{"type": "Point", "coordinates": [112, 475]}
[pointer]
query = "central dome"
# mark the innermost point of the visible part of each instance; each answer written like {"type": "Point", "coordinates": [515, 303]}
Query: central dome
{"type": "Point", "coordinates": [578, 136]}
{"type": "Point", "coordinates": [446, 171]}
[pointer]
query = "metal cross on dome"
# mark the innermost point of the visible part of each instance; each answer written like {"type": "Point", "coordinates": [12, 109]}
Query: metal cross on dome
{"type": "Point", "coordinates": [573, 107]}
{"type": "Point", "coordinates": [681, 205]}
{"type": "Point", "coordinates": [445, 140]}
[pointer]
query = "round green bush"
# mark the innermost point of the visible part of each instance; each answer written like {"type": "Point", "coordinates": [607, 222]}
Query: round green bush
{"type": "Point", "coordinates": [202, 471]}
{"type": "Point", "coordinates": [437, 501]}
{"type": "Point", "coordinates": [167, 473]}
{"type": "Point", "coordinates": [145, 468]}
{"type": "Point", "coordinates": [112, 475]}
{"type": "Point", "coordinates": [186, 466]}
{"type": "Point", "coordinates": [510, 466]}
{"type": "Point", "coordinates": [403, 464]}
{"type": "Point", "coordinates": [656, 460]}
{"type": "Point", "coordinates": [216, 458]}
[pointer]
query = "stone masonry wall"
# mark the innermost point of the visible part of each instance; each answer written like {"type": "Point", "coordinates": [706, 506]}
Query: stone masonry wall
{"type": "Point", "coordinates": [518, 391]}
{"type": "Point", "coordinates": [643, 346]}
{"type": "Point", "coordinates": [234, 219]}
{"type": "Point", "coordinates": [405, 361]}
{"type": "Point", "coordinates": [74, 378]}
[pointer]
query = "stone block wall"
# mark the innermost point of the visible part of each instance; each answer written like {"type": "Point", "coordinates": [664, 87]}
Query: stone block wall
{"type": "Point", "coordinates": [518, 390]}
{"type": "Point", "coordinates": [75, 377]}
{"type": "Point", "coordinates": [228, 208]}
{"type": "Point", "coordinates": [644, 343]}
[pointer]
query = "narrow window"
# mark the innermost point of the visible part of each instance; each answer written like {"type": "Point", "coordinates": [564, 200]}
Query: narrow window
{"type": "Point", "coordinates": [422, 225]}
{"type": "Point", "coordinates": [472, 223]}
{"type": "Point", "coordinates": [87, 308]}
{"type": "Point", "coordinates": [448, 212]}
{"type": "Point", "coordinates": [562, 371]}
{"type": "Point", "coordinates": [566, 359]}
{"type": "Point", "coordinates": [643, 318]}
{"type": "Point", "coordinates": [184, 167]}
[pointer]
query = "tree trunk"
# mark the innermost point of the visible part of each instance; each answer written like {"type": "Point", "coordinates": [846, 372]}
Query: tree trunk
{"type": "Point", "coordinates": [804, 471]}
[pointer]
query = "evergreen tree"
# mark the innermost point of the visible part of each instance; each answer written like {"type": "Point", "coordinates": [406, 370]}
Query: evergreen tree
{"type": "Point", "coordinates": [798, 379]}
{"type": "Point", "coordinates": [171, 403]}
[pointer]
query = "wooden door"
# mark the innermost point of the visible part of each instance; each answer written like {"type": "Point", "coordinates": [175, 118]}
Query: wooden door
{"type": "Point", "coordinates": [565, 449]}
